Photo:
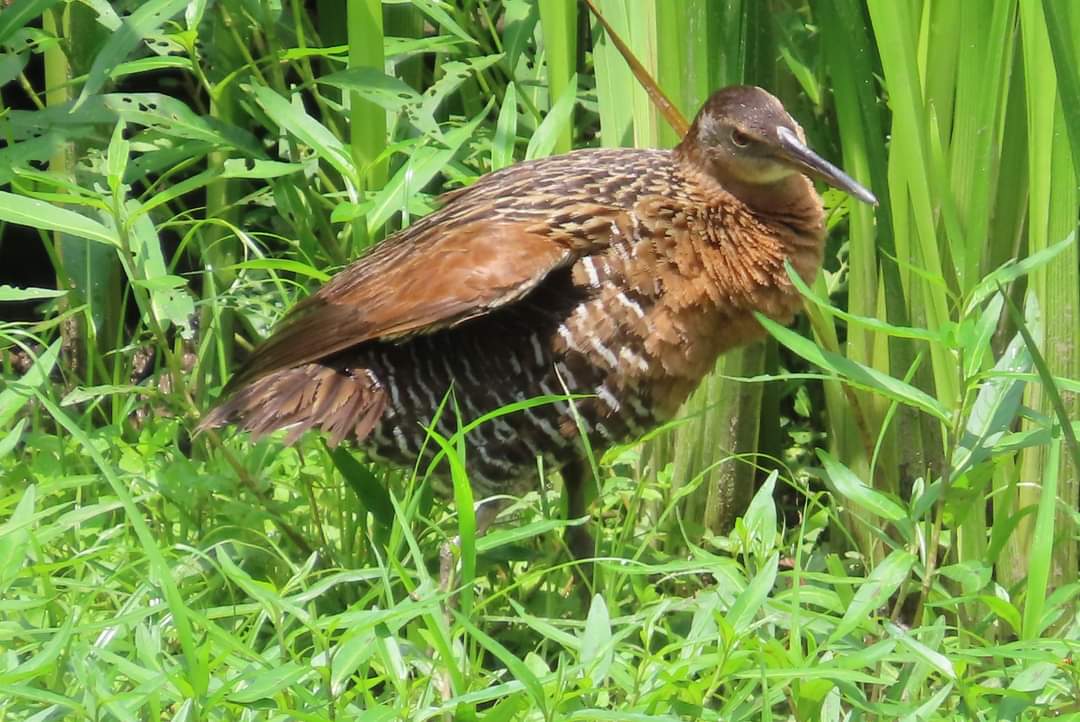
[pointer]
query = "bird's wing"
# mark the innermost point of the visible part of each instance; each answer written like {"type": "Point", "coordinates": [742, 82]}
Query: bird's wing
{"type": "Point", "coordinates": [425, 281]}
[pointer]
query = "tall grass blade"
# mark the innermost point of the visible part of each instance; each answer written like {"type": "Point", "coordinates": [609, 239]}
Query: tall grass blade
{"type": "Point", "coordinates": [1053, 209]}
{"type": "Point", "coordinates": [559, 21]}
{"type": "Point", "coordinates": [367, 121]}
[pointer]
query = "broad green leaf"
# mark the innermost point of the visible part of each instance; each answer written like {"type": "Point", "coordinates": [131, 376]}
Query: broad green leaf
{"type": "Point", "coordinates": [750, 601]}
{"type": "Point", "coordinates": [15, 536]}
{"type": "Point", "coordinates": [169, 116]}
{"type": "Point", "coordinates": [307, 129]}
{"type": "Point", "coordinates": [117, 158]}
{"type": "Point", "coordinates": [375, 86]}
{"type": "Point", "coordinates": [233, 168]}
{"type": "Point", "coordinates": [169, 297]}
{"type": "Point", "coordinates": [440, 18]}
{"type": "Point", "coordinates": [1004, 610]}
{"type": "Point", "coordinates": [10, 67]}
{"type": "Point", "coordinates": [972, 575]}
{"type": "Point", "coordinates": [88, 393]}
{"type": "Point", "coordinates": [851, 487]}
{"type": "Point", "coordinates": [455, 73]}
{"type": "Point", "coordinates": [365, 485]}
{"type": "Point", "coordinates": [516, 533]}
{"type": "Point", "coordinates": [21, 12]}
{"type": "Point", "coordinates": [926, 710]}
{"type": "Point", "coordinates": [502, 148]}
{"type": "Point", "coordinates": [107, 15]}
{"type": "Point", "coordinates": [151, 65]}
{"type": "Point", "coordinates": [17, 157]}
{"type": "Point", "coordinates": [1035, 677]}
{"type": "Point", "coordinates": [353, 651]}
{"type": "Point", "coordinates": [55, 644]}
{"type": "Point", "coordinates": [147, 18]}
{"type": "Point", "coordinates": [597, 647]}
{"type": "Point", "coordinates": [418, 170]}
{"type": "Point", "coordinates": [760, 516]}
{"type": "Point", "coordinates": [11, 293]}
{"type": "Point", "coordinates": [48, 217]}
{"type": "Point", "coordinates": [259, 169]}
{"type": "Point", "coordinates": [11, 438]}
{"type": "Point", "coordinates": [935, 659]}
{"type": "Point", "coordinates": [875, 591]}
{"type": "Point", "coordinates": [399, 48]}
{"type": "Point", "coordinates": [556, 121]}
{"type": "Point", "coordinates": [995, 408]}
{"type": "Point", "coordinates": [281, 264]}
{"type": "Point", "coordinates": [976, 355]}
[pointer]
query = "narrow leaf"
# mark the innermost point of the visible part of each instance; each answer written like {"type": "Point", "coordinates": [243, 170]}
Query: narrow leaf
{"type": "Point", "coordinates": [148, 17]}
{"type": "Point", "coordinates": [856, 373]}
{"type": "Point", "coordinates": [48, 217]}
{"type": "Point", "coordinates": [874, 592]}
{"type": "Point", "coordinates": [851, 487]}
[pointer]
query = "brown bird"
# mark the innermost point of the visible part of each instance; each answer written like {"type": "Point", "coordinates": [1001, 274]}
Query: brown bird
{"type": "Point", "coordinates": [620, 274]}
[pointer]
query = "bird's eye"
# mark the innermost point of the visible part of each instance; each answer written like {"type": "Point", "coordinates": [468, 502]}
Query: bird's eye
{"type": "Point", "coordinates": [739, 138]}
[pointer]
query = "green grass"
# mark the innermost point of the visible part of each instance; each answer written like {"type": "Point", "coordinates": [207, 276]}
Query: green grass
{"type": "Point", "coordinates": [872, 516]}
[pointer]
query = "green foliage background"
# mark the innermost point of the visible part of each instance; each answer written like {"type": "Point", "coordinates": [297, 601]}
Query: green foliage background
{"type": "Point", "coordinates": [189, 168]}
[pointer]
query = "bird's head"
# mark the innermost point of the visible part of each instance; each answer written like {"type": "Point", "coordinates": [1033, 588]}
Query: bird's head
{"type": "Point", "coordinates": [745, 138]}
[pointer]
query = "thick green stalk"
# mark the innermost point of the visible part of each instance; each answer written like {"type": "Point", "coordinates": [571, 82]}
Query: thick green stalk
{"type": "Point", "coordinates": [647, 119]}
{"type": "Point", "coordinates": [849, 55]}
{"type": "Point", "coordinates": [367, 121]}
{"type": "Point", "coordinates": [683, 40]}
{"type": "Point", "coordinates": [614, 80]}
{"type": "Point", "coordinates": [91, 270]}
{"type": "Point", "coordinates": [1052, 215]}
{"type": "Point", "coordinates": [978, 112]}
{"type": "Point", "coordinates": [912, 187]}
{"type": "Point", "coordinates": [220, 247]}
{"type": "Point", "coordinates": [559, 21]}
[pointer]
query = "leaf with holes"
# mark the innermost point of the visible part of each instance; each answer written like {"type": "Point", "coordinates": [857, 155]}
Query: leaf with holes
{"type": "Point", "coordinates": [48, 217]}
{"type": "Point", "coordinates": [148, 17]}
{"type": "Point", "coordinates": [375, 86]}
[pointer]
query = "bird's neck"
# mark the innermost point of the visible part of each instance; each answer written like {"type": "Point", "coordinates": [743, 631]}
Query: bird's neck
{"type": "Point", "coordinates": [791, 200]}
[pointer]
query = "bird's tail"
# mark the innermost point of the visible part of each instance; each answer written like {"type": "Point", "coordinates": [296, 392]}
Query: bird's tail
{"type": "Point", "coordinates": [339, 401]}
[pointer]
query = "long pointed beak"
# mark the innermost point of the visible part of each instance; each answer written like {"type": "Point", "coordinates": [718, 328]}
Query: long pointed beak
{"type": "Point", "coordinates": [795, 152]}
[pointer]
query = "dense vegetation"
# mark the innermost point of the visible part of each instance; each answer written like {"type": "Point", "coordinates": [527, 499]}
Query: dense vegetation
{"type": "Point", "coordinates": [872, 516]}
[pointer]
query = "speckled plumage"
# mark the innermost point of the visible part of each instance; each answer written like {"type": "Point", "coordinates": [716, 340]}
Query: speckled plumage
{"type": "Point", "coordinates": [620, 274]}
